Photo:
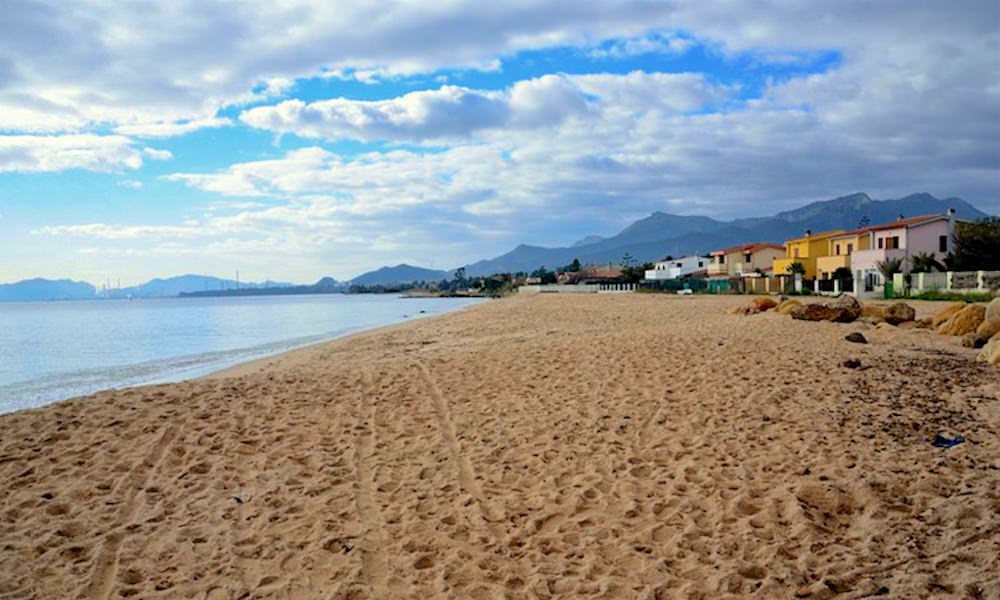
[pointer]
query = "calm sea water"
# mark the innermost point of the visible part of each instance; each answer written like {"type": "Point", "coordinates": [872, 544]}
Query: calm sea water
{"type": "Point", "coordinates": [55, 350]}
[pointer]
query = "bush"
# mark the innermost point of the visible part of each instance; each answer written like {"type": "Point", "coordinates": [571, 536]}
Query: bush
{"type": "Point", "coordinates": [951, 296]}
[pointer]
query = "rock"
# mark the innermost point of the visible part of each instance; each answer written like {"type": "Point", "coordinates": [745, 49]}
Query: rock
{"type": "Point", "coordinates": [787, 306]}
{"type": "Point", "coordinates": [899, 312]}
{"type": "Point", "coordinates": [925, 323]}
{"type": "Point", "coordinates": [946, 313]}
{"type": "Point", "coordinates": [991, 351]}
{"type": "Point", "coordinates": [844, 310]}
{"type": "Point", "coordinates": [856, 337]}
{"type": "Point", "coordinates": [743, 310]}
{"type": "Point", "coordinates": [988, 328]}
{"type": "Point", "coordinates": [763, 304]}
{"type": "Point", "coordinates": [873, 313]}
{"type": "Point", "coordinates": [964, 321]}
{"type": "Point", "coordinates": [974, 340]}
{"type": "Point", "coordinates": [908, 325]}
{"type": "Point", "coordinates": [993, 310]}
{"type": "Point", "coordinates": [852, 363]}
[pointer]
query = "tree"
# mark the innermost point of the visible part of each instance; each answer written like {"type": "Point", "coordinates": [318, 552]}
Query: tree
{"type": "Point", "coordinates": [925, 263]}
{"type": "Point", "coordinates": [842, 273]}
{"type": "Point", "coordinates": [573, 267]}
{"type": "Point", "coordinates": [889, 267]}
{"type": "Point", "coordinates": [544, 275]}
{"type": "Point", "coordinates": [635, 273]}
{"type": "Point", "coordinates": [977, 245]}
{"type": "Point", "coordinates": [797, 268]}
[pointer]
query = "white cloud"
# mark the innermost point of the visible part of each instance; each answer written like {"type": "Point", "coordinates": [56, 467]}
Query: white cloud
{"type": "Point", "coordinates": [131, 184]}
{"type": "Point", "coordinates": [38, 153]}
{"type": "Point", "coordinates": [166, 129]}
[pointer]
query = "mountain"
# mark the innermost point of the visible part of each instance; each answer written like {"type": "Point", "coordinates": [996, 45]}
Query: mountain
{"type": "Point", "coordinates": [326, 285]}
{"type": "Point", "coordinates": [661, 234]}
{"type": "Point", "coordinates": [175, 286]}
{"type": "Point", "coordinates": [402, 273]}
{"type": "Point", "coordinates": [590, 239]}
{"type": "Point", "coordinates": [46, 289]}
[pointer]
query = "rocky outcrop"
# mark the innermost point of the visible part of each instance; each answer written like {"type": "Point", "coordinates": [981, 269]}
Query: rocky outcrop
{"type": "Point", "coordinates": [788, 306]}
{"type": "Point", "coordinates": [991, 351]}
{"type": "Point", "coordinates": [764, 303]}
{"type": "Point", "coordinates": [993, 310]}
{"type": "Point", "coordinates": [899, 312]}
{"type": "Point", "coordinates": [843, 310]}
{"type": "Point", "coordinates": [964, 321]}
{"type": "Point", "coordinates": [946, 313]}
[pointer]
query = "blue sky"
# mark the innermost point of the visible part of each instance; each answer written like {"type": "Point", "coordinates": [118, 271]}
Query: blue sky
{"type": "Point", "coordinates": [321, 139]}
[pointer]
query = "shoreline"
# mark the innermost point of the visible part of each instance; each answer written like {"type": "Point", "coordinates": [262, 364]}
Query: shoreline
{"type": "Point", "coordinates": [618, 446]}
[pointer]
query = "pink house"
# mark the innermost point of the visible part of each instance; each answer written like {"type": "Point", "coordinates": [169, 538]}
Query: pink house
{"type": "Point", "coordinates": [902, 239]}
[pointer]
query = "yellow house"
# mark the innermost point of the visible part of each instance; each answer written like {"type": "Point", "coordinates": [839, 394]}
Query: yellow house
{"type": "Point", "coordinates": [839, 251]}
{"type": "Point", "coordinates": [806, 250]}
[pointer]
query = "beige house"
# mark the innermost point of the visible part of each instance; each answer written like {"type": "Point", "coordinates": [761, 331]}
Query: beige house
{"type": "Point", "coordinates": [745, 260]}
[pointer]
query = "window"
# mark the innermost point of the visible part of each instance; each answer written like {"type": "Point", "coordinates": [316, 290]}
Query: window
{"type": "Point", "coordinates": [880, 241]}
{"type": "Point", "coordinates": [942, 243]}
{"type": "Point", "coordinates": [699, 263]}
{"type": "Point", "coordinates": [679, 265]}
{"type": "Point", "coordinates": [795, 253]}
{"type": "Point", "coordinates": [722, 259]}
{"type": "Point", "coordinates": [837, 251]}
{"type": "Point", "coordinates": [850, 248]}
{"type": "Point", "coordinates": [892, 243]}
{"type": "Point", "coordinates": [746, 258]}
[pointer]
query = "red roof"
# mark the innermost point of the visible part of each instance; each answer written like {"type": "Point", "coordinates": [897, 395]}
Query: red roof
{"type": "Point", "coordinates": [906, 222]}
{"type": "Point", "coordinates": [752, 247]}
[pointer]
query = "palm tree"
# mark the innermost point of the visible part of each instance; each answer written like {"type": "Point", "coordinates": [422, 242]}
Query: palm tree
{"type": "Point", "coordinates": [797, 268]}
{"type": "Point", "coordinates": [925, 262]}
{"type": "Point", "coordinates": [889, 267]}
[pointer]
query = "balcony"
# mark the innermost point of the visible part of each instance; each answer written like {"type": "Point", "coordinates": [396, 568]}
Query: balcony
{"type": "Point", "coordinates": [717, 270]}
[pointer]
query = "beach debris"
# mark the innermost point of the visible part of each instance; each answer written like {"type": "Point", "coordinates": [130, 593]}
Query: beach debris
{"type": "Point", "coordinates": [943, 441]}
{"type": "Point", "coordinates": [856, 338]}
{"type": "Point", "coordinates": [787, 306]}
{"type": "Point", "coordinates": [964, 321]}
{"type": "Point", "coordinates": [852, 363]}
{"type": "Point", "coordinates": [843, 310]}
{"type": "Point", "coordinates": [899, 312]}
{"type": "Point", "coordinates": [946, 313]}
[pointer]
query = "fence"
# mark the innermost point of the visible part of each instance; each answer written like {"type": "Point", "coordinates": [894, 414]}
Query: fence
{"type": "Point", "coordinates": [674, 285]}
{"type": "Point", "coordinates": [950, 281]}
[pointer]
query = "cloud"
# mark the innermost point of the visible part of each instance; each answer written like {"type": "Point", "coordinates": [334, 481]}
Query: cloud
{"type": "Point", "coordinates": [107, 153]}
{"type": "Point", "coordinates": [165, 129]}
{"type": "Point", "coordinates": [453, 112]}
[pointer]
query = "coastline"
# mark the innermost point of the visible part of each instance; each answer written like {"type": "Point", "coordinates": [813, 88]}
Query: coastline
{"type": "Point", "coordinates": [556, 447]}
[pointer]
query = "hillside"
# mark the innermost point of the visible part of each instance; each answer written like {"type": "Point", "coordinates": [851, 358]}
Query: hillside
{"type": "Point", "coordinates": [45, 289]}
{"type": "Point", "coordinates": [401, 273]}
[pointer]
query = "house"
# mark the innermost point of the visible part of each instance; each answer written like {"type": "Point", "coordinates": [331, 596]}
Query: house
{"type": "Point", "coordinates": [806, 250]}
{"type": "Point", "coordinates": [677, 268]}
{"type": "Point", "coordinates": [902, 239]}
{"type": "Point", "coordinates": [839, 250]}
{"type": "Point", "coordinates": [745, 260]}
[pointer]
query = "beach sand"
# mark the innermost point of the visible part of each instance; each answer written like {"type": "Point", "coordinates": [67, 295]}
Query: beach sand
{"type": "Point", "coordinates": [600, 446]}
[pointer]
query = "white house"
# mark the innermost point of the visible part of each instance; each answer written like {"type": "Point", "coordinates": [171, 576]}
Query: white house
{"type": "Point", "coordinates": [676, 268]}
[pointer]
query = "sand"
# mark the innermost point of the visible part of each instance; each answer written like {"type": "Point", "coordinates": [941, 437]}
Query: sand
{"type": "Point", "coordinates": [611, 446]}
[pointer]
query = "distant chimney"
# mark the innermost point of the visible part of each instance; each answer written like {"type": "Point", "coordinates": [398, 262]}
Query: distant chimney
{"type": "Point", "coordinates": [901, 216]}
{"type": "Point", "coordinates": [951, 212]}
{"type": "Point", "coordinates": [809, 232]}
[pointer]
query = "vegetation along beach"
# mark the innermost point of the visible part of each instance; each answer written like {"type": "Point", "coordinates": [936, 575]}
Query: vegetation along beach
{"type": "Point", "coordinates": [552, 446]}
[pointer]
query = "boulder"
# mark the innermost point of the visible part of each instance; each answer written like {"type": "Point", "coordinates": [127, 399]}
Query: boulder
{"type": "Point", "coordinates": [843, 310]}
{"type": "Point", "coordinates": [788, 306]}
{"type": "Point", "coordinates": [946, 313]}
{"type": "Point", "coordinates": [873, 313]}
{"type": "Point", "coordinates": [991, 351]}
{"type": "Point", "coordinates": [988, 328]}
{"type": "Point", "coordinates": [993, 310]}
{"type": "Point", "coordinates": [964, 321]}
{"type": "Point", "coordinates": [856, 337]}
{"type": "Point", "coordinates": [899, 312]}
{"type": "Point", "coordinates": [763, 303]}
{"type": "Point", "coordinates": [974, 340]}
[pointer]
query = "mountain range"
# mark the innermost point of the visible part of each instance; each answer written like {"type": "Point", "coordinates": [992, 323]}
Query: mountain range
{"type": "Point", "coordinates": [648, 239]}
{"type": "Point", "coordinates": [661, 234]}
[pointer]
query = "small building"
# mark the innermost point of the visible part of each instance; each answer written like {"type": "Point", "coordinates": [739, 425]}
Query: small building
{"type": "Point", "coordinates": [902, 239]}
{"type": "Point", "coordinates": [677, 268]}
{"type": "Point", "coordinates": [745, 260]}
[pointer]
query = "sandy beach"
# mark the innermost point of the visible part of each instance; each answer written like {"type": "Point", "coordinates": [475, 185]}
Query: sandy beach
{"type": "Point", "coordinates": [601, 446]}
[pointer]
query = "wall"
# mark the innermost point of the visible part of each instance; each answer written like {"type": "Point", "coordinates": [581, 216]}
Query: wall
{"type": "Point", "coordinates": [924, 238]}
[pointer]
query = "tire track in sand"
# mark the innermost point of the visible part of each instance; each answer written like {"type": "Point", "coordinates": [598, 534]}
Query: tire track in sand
{"type": "Point", "coordinates": [128, 488]}
{"type": "Point", "coordinates": [374, 567]}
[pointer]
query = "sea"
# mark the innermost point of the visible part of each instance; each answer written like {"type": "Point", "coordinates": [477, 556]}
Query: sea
{"type": "Point", "coordinates": [50, 351]}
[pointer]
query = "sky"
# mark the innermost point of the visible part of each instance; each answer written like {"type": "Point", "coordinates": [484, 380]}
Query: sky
{"type": "Point", "coordinates": [301, 139]}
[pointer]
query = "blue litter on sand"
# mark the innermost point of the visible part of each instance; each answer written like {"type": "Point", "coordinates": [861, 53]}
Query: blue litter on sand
{"type": "Point", "coordinates": [942, 442]}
